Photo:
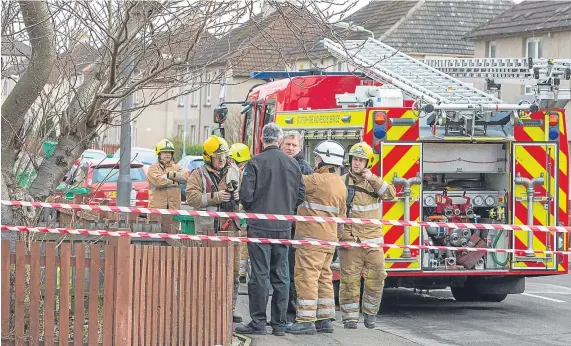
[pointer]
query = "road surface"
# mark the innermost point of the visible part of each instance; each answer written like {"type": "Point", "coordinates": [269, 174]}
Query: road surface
{"type": "Point", "coordinates": [542, 315]}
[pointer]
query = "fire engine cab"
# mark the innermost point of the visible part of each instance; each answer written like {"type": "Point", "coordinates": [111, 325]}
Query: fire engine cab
{"type": "Point", "coordinates": [454, 153]}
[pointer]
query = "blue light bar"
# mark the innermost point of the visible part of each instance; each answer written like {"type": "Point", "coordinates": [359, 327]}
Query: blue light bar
{"type": "Point", "coordinates": [290, 74]}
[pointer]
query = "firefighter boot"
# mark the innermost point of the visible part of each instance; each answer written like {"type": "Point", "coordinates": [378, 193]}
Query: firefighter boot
{"type": "Point", "coordinates": [370, 320]}
{"type": "Point", "coordinates": [350, 325]}
{"type": "Point", "coordinates": [324, 326]}
{"type": "Point", "coordinates": [302, 328]}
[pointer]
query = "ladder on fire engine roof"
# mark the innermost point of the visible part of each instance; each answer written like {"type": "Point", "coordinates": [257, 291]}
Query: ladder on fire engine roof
{"type": "Point", "coordinates": [433, 89]}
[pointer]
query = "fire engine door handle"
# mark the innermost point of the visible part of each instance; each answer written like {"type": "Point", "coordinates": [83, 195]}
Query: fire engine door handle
{"type": "Point", "coordinates": [346, 118]}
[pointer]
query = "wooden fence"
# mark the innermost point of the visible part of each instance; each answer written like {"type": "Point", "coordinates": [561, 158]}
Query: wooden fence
{"type": "Point", "coordinates": [115, 294]}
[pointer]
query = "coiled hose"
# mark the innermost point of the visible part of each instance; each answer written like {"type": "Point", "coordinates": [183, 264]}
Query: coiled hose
{"type": "Point", "coordinates": [495, 254]}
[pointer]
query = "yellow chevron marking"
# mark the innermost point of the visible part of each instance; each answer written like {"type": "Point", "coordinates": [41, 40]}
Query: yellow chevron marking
{"type": "Point", "coordinates": [396, 132]}
{"type": "Point", "coordinates": [560, 268]}
{"type": "Point", "coordinates": [563, 162]}
{"type": "Point", "coordinates": [537, 243]}
{"type": "Point", "coordinates": [535, 133]}
{"type": "Point", "coordinates": [404, 165]}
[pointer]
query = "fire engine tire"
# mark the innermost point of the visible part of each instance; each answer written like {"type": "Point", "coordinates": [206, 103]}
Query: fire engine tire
{"type": "Point", "coordinates": [462, 294]}
{"type": "Point", "coordinates": [495, 298]}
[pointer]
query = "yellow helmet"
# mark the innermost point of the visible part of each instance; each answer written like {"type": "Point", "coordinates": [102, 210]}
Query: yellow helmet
{"type": "Point", "coordinates": [240, 152]}
{"type": "Point", "coordinates": [164, 145]}
{"type": "Point", "coordinates": [362, 150]}
{"type": "Point", "coordinates": [212, 146]}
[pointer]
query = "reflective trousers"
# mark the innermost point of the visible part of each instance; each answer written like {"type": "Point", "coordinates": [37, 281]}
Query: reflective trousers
{"type": "Point", "coordinates": [243, 255]}
{"type": "Point", "coordinates": [313, 284]}
{"type": "Point", "coordinates": [371, 263]}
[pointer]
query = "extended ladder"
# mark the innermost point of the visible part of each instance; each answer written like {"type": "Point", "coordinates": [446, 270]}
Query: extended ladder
{"type": "Point", "coordinates": [433, 89]}
{"type": "Point", "coordinates": [537, 70]}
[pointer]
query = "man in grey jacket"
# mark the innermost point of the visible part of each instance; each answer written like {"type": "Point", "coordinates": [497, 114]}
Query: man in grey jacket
{"type": "Point", "coordinates": [271, 184]}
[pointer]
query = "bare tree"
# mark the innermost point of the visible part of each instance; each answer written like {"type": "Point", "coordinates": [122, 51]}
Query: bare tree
{"type": "Point", "coordinates": [88, 56]}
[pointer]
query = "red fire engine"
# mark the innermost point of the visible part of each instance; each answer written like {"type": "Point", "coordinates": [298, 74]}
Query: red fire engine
{"type": "Point", "coordinates": [455, 154]}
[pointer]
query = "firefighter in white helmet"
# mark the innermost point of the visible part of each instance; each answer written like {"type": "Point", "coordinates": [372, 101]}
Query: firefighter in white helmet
{"type": "Point", "coordinates": [364, 194]}
{"type": "Point", "coordinates": [326, 195]}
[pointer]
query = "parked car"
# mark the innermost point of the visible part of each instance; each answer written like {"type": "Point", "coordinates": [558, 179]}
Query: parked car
{"type": "Point", "coordinates": [93, 155]}
{"type": "Point", "coordinates": [190, 163]}
{"type": "Point", "coordinates": [144, 155]}
{"type": "Point", "coordinates": [100, 178]}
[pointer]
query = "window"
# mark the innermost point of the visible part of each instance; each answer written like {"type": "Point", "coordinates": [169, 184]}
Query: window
{"type": "Point", "coordinates": [222, 92]}
{"type": "Point", "coordinates": [269, 113]}
{"type": "Point", "coordinates": [206, 132]}
{"type": "Point", "coordinates": [491, 49]}
{"type": "Point", "coordinates": [340, 66]}
{"type": "Point", "coordinates": [534, 50]}
{"type": "Point", "coordinates": [193, 134]}
{"type": "Point", "coordinates": [249, 130]}
{"type": "Point", "coordinates": [111, 174]}
{"type": "Point", "coordinates": [208, 89]}
{"type": "Point", "coordinates": [180, 97]}
{"type": "Point", "coordinates": [195, 98]}
{"type": "Point", "coordinates": [179, 131]}
{"type": "Point", "coordinates": [134, 133]}
{"type": "Point", "coordinates": [5, 87]}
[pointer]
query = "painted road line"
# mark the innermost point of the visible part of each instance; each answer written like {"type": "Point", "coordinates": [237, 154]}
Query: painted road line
{"type": "Point", "coordinates": [541, 297]}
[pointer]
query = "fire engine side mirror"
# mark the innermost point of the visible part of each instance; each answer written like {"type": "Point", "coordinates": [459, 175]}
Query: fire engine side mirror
{"type": "Point", "coordinates": [220, 114]}
{"type": "Point", "coordinates": [218, 132]}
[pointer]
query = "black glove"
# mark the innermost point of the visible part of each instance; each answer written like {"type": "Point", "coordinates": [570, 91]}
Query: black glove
{"type": "Point", "coordinates": [171, 175]}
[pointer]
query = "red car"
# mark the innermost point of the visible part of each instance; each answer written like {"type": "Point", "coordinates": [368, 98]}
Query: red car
{"type": "Point", "coordinates": [101, 178]}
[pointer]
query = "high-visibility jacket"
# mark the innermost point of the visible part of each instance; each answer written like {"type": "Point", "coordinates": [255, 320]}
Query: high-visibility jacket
{"type": "Point", "coordinates": [163, 192]}
{"type": "Point", "coordinates": [325, 195]}
{"type": "Point", "coordinates": [367, 205]}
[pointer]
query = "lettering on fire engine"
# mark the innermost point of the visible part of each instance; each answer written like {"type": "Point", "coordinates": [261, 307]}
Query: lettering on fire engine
{"type": "Point", "coordinates": [318, 119]}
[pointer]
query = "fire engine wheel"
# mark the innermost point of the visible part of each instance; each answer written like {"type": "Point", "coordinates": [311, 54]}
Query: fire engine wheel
{"type": "Point", "coordinates": [464, 294]}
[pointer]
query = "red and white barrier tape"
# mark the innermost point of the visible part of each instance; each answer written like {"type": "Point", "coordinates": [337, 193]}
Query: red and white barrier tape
{"type": "Point", "coordinates": [104, 233]}
{"type": "Point", "coordinates": [114, 199]}
{"type": "Point", "coordinates": [277, 217]}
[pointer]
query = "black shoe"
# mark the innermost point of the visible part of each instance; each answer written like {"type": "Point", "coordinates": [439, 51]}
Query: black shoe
{"type": "Point", "coordinates": [324, 326]}
{"type": "Point", "coordinates": [370, 320]}
{"type": "Point", "coordinates": [249, 329]}
{"type": "Point", "coordinates": [278, 331]}
{"type": "Point", "coordinates": [236, 318]}
{"type": "Point", "coordinates": [350, 325]}
{"type": "Point", "coordinates": [302, 328]}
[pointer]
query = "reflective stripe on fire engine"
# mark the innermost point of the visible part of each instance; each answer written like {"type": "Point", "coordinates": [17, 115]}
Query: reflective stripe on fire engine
{"type": "Point", "coordinates": [326, 301]}
{"type": "Point", "coordinates": [320, 207]}
{"type": "Point", "coordinates": [369, 207]}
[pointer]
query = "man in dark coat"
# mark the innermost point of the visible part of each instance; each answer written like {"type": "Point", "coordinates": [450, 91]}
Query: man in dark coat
{"type": "Point", "coordinates": [271, 184]}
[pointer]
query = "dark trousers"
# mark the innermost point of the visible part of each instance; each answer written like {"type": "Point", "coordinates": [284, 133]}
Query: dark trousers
{"type": "Point", "coordinates": [291, 304]}
{"type": "Point", "coordinates": [269, 263]}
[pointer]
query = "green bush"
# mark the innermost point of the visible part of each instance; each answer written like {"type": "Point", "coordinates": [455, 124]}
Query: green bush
{"type": "Point", "coordinates": [195, 150]}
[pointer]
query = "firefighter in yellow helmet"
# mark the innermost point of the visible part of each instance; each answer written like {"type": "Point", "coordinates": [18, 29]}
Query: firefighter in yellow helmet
{"type": "Point", "coordinates": [325, 195]}
{"type": "Point", "coordinates": [364, 194]}
{"type": "Point", "coordinates": [240, 155]}
{"type": "Point", "coordinates": [164, 177]}
{"type": "Point", "coordinates": [214, 187]}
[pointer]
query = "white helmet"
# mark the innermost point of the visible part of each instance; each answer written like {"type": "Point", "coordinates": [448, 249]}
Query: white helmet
{"type": "Point", "coordinates": [331, 152]}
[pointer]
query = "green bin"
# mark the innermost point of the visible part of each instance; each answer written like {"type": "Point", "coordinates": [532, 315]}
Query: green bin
{"type": "Point", "coordinates": [186, 222]}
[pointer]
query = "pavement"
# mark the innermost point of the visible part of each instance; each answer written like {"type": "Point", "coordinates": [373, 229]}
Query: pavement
{"type": "Point", "coordinates": [541, 315]}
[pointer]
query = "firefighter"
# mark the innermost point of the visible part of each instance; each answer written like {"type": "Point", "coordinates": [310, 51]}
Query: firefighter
{"type": "Point", "coordinates": [240, 155]}
{"type": "Point", "coordinates": [326, 195]}
{"type": "Point", "coordinates": [214, 187]}
{"type": "Point", "coordinates": [164, 178]}
{"type": "Point", "coordinates": [364, 194]}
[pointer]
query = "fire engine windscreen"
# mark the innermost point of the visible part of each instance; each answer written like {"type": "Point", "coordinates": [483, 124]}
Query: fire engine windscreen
{"type": "Point", "coordinates": [465, 183]}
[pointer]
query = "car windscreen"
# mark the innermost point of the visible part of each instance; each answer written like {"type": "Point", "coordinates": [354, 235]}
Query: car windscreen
{"type": "Point", "coordinates": [191, 165]}
{"type": "Point", "coordinates": [111, 174]}
{"type": "Point", "coordinates": [145, 157]}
